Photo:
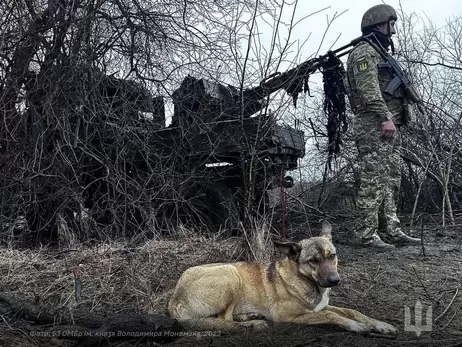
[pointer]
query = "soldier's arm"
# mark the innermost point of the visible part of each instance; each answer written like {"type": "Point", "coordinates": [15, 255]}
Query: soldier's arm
{"type": "Point", "coordinates": [367, 83]}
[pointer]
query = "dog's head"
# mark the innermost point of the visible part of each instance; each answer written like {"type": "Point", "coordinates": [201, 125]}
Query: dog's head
{"type": "Point", "coordinates": [316, 257]}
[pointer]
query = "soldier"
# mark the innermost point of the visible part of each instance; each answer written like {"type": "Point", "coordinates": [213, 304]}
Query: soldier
{"type": "Point", "coordinates": [378, 118]}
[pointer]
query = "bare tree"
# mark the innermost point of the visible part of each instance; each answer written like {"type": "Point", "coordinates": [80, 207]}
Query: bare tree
{"type": "Point", "coordinates": [87, 88]}
{"type": "Point", "coordinates": [69, 96]}
{"type": "Point", "coordinates": [433, 59]}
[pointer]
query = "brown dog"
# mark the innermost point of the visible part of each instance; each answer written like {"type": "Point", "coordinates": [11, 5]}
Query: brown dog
{"type": "Point", "coordinates": [230, 296]}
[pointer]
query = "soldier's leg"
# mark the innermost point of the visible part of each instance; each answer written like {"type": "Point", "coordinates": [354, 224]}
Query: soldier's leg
{"type": "Point", "coordinates": [368, 202]}
{"type": "Point", "coordinates": [389, 223]}
{"type": "Point", "coordinates": [392, 226]}
{"type": "Point", "coordinates": [372, 153]}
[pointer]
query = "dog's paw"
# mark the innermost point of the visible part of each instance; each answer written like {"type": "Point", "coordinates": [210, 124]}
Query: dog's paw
{"type": "Point", "coordinates": [256, 325]}
{"type": "Point", "coordinates": [384, 328]}
{"type": "Point", "coordinates": [358, 327]}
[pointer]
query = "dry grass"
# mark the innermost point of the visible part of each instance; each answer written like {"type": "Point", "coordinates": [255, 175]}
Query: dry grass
{"type": "Point", "coordinates": [117, 278]}
{"type": "Point", "coordinates": [259, 240]}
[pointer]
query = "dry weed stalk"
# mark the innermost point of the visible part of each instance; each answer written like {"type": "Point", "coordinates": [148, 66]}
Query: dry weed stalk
{"type": "Point", "coordinates": [258, 240]}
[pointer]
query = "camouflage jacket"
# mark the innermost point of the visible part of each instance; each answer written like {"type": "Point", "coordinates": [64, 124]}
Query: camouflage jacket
{"type": "Point", "coordinates": [366, 82]}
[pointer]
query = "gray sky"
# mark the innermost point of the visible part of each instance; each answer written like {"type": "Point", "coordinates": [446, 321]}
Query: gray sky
{"type": "Point", "coordinates": [439, 12]}
{"type": "Point", "coordinates": [308, 32]}
{"type": "Point", "coordinates": [348, 24]}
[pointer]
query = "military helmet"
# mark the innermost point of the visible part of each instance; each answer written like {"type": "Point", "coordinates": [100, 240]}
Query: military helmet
{"type": "Point", "coordinates": [377, 14]}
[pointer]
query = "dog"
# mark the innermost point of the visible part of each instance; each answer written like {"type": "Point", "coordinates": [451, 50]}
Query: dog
{"type": "Point", "coordinates": [243, 295]}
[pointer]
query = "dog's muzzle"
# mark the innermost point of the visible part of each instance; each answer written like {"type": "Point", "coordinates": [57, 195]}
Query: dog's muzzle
{"type": "Point", "coordinates": [331, 280]}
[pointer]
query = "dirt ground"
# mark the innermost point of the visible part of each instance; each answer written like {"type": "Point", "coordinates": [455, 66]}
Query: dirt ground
{"type": "Point", "coordinates": [117, 279]}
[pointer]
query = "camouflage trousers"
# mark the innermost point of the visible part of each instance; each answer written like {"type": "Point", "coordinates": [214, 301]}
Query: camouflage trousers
{"type": "Point", "coordinates": [380, 180]}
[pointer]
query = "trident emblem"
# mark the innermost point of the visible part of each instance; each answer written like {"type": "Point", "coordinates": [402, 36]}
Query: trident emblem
{"type": "Point", "coordinates": [418, 327]}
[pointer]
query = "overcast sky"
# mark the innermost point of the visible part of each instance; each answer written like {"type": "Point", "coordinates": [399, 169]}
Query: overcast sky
{"type": "Point", "coordinates": [348, 24]}
{"type": "Point", "coordinates": [309, 32]}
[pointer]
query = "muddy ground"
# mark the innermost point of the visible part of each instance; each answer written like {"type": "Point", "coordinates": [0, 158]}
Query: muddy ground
{"type": "Point", "coordinates": [117, 278]}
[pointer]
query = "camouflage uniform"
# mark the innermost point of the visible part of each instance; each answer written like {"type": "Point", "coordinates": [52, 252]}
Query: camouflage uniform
{"type": "Point", "coordinates": [379, 157]}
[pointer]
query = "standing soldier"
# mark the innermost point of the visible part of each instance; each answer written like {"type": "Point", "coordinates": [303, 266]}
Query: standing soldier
{"type": "Point", "coordinates": [378, 118]}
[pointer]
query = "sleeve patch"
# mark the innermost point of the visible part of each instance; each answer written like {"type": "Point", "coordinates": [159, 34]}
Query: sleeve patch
{"type": "Point", "coordinates": [362, 65]}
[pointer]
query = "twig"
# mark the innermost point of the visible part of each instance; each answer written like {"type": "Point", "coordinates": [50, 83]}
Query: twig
{"type": "Point", "coordinates": [421, 239]}
{"type": "Point", "coordinates": [306, 205]}
{"type": "Point", "coordinates": [17, 308]}
{"type": "Point", "coordinates": [436, 64]}
{"type": "Point", "coordinates": [17, 329]}
{"type": "Point", "coordinates": [447, 308]}
{"type": "Point", "coordinates": [423, 285]}
{"type": "Point", "coordinates": [93, 327]}
{"type": "Point", "coordinates": [382, 336]}
{"type": "Point", "coordinates": [78, 286]}
{"type": "Point", "coordinates": [432, 342]}
{"type": "Point", "coordinates": [450, 319]}
{"type": "Point", "coordinates": [66, 251]}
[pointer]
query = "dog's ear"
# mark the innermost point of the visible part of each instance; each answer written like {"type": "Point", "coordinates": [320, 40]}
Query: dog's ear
{"type": "Point", "coordinates": [290, 249]}
{"type": "Point", "coordinates": [326, 230]}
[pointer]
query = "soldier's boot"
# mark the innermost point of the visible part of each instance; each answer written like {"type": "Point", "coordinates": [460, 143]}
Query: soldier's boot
{"type": "Point", "coordinates": [372, 240]}
{"type": "Point", "coordinates": [401, 239]}
{"type": "Point", "coordinates": [379, 244]}
{"type": "Point", "coordinates": [392, 233]}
